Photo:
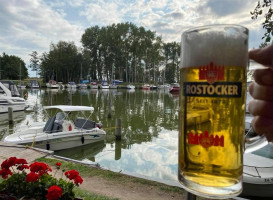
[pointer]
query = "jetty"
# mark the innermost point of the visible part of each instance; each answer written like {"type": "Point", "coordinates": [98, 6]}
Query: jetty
{"type": "Point", "coordinates": [29, 153]}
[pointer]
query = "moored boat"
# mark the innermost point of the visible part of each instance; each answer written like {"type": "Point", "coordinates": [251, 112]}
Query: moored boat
{"type": "Point", "coordinates": [60, 131]}
{"type": "Point", "coordinates": [174, 88]}
{"type": "Point", "coordinates": [10, 97]}
{"type": "Point", "coordinates": [52, 84]}
{"type": "Point", "coordinates": [71, 85]}
{"type": "Point", "coordinates": [94, 85]}
{"type": "Point", "coordinates": [130, 86]}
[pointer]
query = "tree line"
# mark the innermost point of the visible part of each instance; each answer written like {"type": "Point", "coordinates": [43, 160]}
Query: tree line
{"type": "Point", "coordinates": [120, 51]}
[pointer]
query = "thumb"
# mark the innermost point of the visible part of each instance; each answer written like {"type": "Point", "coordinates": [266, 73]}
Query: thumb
{"type": "Point", "coordinates": [263, 56]}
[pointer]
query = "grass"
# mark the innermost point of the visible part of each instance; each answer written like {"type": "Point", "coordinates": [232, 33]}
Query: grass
{"type": "Point", "coordinates": [88, 171]}
{"type": "Point", "coordinates": [90, 196]}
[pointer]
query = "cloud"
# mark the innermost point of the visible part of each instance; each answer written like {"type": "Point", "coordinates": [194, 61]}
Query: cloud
{"type": "Point", "coordinates": [32, 25]}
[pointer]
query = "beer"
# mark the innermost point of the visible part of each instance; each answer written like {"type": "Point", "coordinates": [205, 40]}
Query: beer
{"type": "Point", "coordinates": [212, 110]}
{"type": "Point", "coordinates": [213, 128]}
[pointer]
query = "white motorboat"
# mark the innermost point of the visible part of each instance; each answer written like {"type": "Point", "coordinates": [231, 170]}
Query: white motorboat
{"type": "Point", "coordinates": [10, 97]}
{"type": "Point", "coordinates": [21, 85]}
{"type": "Point", "coordinates": [258, 172]}
{"type": "Point", "coordinates": [71, 85]}
{"type": "Point", "coordinates": [130, 86]}
{"type": "Point", "coordinates": [60, 132]}
{"type": "Point", "coordinates": [104, 85]}
{"type": "Point", "coordinates": [52, 84]}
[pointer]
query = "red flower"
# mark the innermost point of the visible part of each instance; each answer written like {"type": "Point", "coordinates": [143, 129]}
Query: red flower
{"type": "Point", "coordinates": [5, 172]}
{"type": "Point", "coordinates": [58, 164]}
{"type": "Point", "coordinates": [8, 162]}
{"type": "Point", "coordinates": [32, 177]}
{"type": "Point", "coordinates": [54, 192]}
{"type": "Point", "coordinates": [72, 174]}
{"type": "Point", "coordinates": [40, 168]}
{"type": "Point", "coordinates": [20, 161]}
{"type": "Point", "coordinates": [22, 167]}
{"type": "Point", "coordinates": [78, 180]}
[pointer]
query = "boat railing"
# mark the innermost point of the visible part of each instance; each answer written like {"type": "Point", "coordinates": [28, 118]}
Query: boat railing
{"type": "Point", "coordinates": [257, 172]}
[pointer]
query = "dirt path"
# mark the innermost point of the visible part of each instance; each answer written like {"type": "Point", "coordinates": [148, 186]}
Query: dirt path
{"type": "Point", "coordinates": [128, 191]}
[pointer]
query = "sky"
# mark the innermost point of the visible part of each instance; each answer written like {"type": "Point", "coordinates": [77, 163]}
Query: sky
{"type": "Point", "coordinates": [32, 25]}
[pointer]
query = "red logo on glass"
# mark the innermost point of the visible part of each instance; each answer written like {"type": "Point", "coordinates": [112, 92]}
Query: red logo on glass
{"type": "Point", "coordinates": [206, 140]}
{"type": "Point", "coordinates": [211, 73]}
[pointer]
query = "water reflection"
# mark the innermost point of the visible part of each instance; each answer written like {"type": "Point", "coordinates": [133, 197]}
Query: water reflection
{"type": "Point", "coordinates": [149, 128]}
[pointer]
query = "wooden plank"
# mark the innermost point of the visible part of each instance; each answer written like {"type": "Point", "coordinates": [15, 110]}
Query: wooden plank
{"type": "Point", "coordinates": [30, 154]}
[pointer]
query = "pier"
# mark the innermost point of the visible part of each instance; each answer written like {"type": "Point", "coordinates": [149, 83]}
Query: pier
{"type": "Point", "coordinates": [30, 154]}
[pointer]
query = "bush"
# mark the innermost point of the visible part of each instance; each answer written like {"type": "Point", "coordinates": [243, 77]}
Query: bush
{"type": "Point", "coordinates": [37, 183]}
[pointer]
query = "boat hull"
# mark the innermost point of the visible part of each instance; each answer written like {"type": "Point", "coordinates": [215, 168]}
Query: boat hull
{"type": "Point", "coordinates": [58, 141]}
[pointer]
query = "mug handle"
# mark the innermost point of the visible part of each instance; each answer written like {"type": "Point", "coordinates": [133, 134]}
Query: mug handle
{"type": "Point", "coordinates": [254, 143]}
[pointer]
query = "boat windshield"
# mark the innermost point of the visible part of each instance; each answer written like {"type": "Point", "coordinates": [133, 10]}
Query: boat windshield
{"type": "Point", "coordinates": [60, 116]}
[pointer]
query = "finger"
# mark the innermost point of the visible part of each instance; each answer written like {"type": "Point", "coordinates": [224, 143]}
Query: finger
{"type": "Point", "coordinates": [261, 108]}
{"type": "Point", "coordinates": [263, 56]}
{"type": "Point", "coordinates": [261, 92]}
{"type": "Point", "coordinates": [263, 126]}
{"type": "Point", "coordinates": [263, 76]}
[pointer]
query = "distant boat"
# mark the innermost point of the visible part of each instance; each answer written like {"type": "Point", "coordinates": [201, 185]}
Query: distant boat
{"type": "Point", "coordinates": [33, 84]}
{"type": "Point", "coordinates": [130, 86]}
{"type": "Point", "coordinates": [174, 88]}
{"type": "Point", "coordinates": [146, 87]}
{"type": "Point", "coordinates": [153, 87]}
{"type": "Point", "coordinates": [71, 85]}
{"type": "Point", "coordinates": [52, 84]}
{"type": "Point", "coordinates": [164, 87]}
{"type": "Point", "coordinates": [117, 81]}
{"type": "Point", "coordinates": [21, 85]}
{"type": "Point", "coordinates": [82, 86]}
{"type": "Point", "coordinates": [104, 85]}
{"type": "Point", "coordinates": [94, 85]}
{"type": "Point", "coordinates": [113, 86]}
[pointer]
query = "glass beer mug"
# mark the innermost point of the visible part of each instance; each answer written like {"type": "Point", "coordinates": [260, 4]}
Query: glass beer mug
{"type": "Point", "coordinates": [213, 72]}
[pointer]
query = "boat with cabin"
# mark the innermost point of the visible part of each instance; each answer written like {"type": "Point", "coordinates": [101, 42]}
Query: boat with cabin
{"type": "Point", "coordinates": [10, 97]}
{"type": "Point", "coordinates": [34, 84]}
{"type": "Point", "coordinates": [71, 85]}
{"type": "Point", "coordinates": [104, 85]}
{"type": "Point", "coordinates": [94, 85]}
{"type": "Point", "coordinates": [52, 84]}
{"type": "Point", "coordinates": [174, 88]}
{"type": "Point", "coordinates": [60, 131]}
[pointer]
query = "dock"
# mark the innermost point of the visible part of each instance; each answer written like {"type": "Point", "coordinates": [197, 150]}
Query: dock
{"type": "Point", "coordinates": [29, 153]}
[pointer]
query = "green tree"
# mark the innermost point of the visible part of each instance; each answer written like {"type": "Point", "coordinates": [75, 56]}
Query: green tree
{"type": "Point", "coordinates": [10, 67]}
{"type": "Point", "coordinates": [63, 62]}
{"type": "Point", "coordinates": [34, 62]}
{"type": "Point", "coordinates": [264, 7]}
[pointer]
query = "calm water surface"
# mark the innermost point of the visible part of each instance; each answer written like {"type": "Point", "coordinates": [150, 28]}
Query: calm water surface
{"type": "Point", "coordinates": [149, 128]}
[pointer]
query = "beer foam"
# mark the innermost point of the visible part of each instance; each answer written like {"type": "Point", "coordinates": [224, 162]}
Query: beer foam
{"type": "Point", "coordinates": [224, 45]}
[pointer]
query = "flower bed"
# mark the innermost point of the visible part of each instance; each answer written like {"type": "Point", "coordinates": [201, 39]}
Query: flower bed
{"type": "Point", "coordinates": [34, 181]}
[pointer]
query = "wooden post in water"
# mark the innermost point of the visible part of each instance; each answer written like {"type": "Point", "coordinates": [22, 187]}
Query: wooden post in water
{"type": "Point", "coordinates": [10, 110]}
{"type": "Point", "coordinates": [118, 129]}
{"type": "Point", "coordinates": [109, 107]}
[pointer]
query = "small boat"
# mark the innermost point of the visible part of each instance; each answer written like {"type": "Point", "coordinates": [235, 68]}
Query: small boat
{"type": "Point", "coordinates": [10, 97]}
{"type": "Point", "coordinates": [104, 85]}
{"type": "Point", "coordinates": [33, 84]}
{"type": "Point", "coordinates": [60, 131]}
{"type": "Point", "coordinates": [130, 86]}
{"type": "Point", "coordinates": [71, 85]}
{"type": "Point", "coordinates": [21, 85]}
{"type": "Point", "coordinates": [174, 88]}
{"type": "Point", "coordinates": [82, 86]}
{"type": "Point", "coordinates": [153, 87]}
{"type": "Point", "coordinates": [113, 86]}
{"type": "Point", "coordinates": [145, 87]}
{"type": "Point", "coordinates": [94, 85]}
{"type": "Point", "coordinates": [164, 87]}
{"type": "Point", "coordinates": [52, 84]}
